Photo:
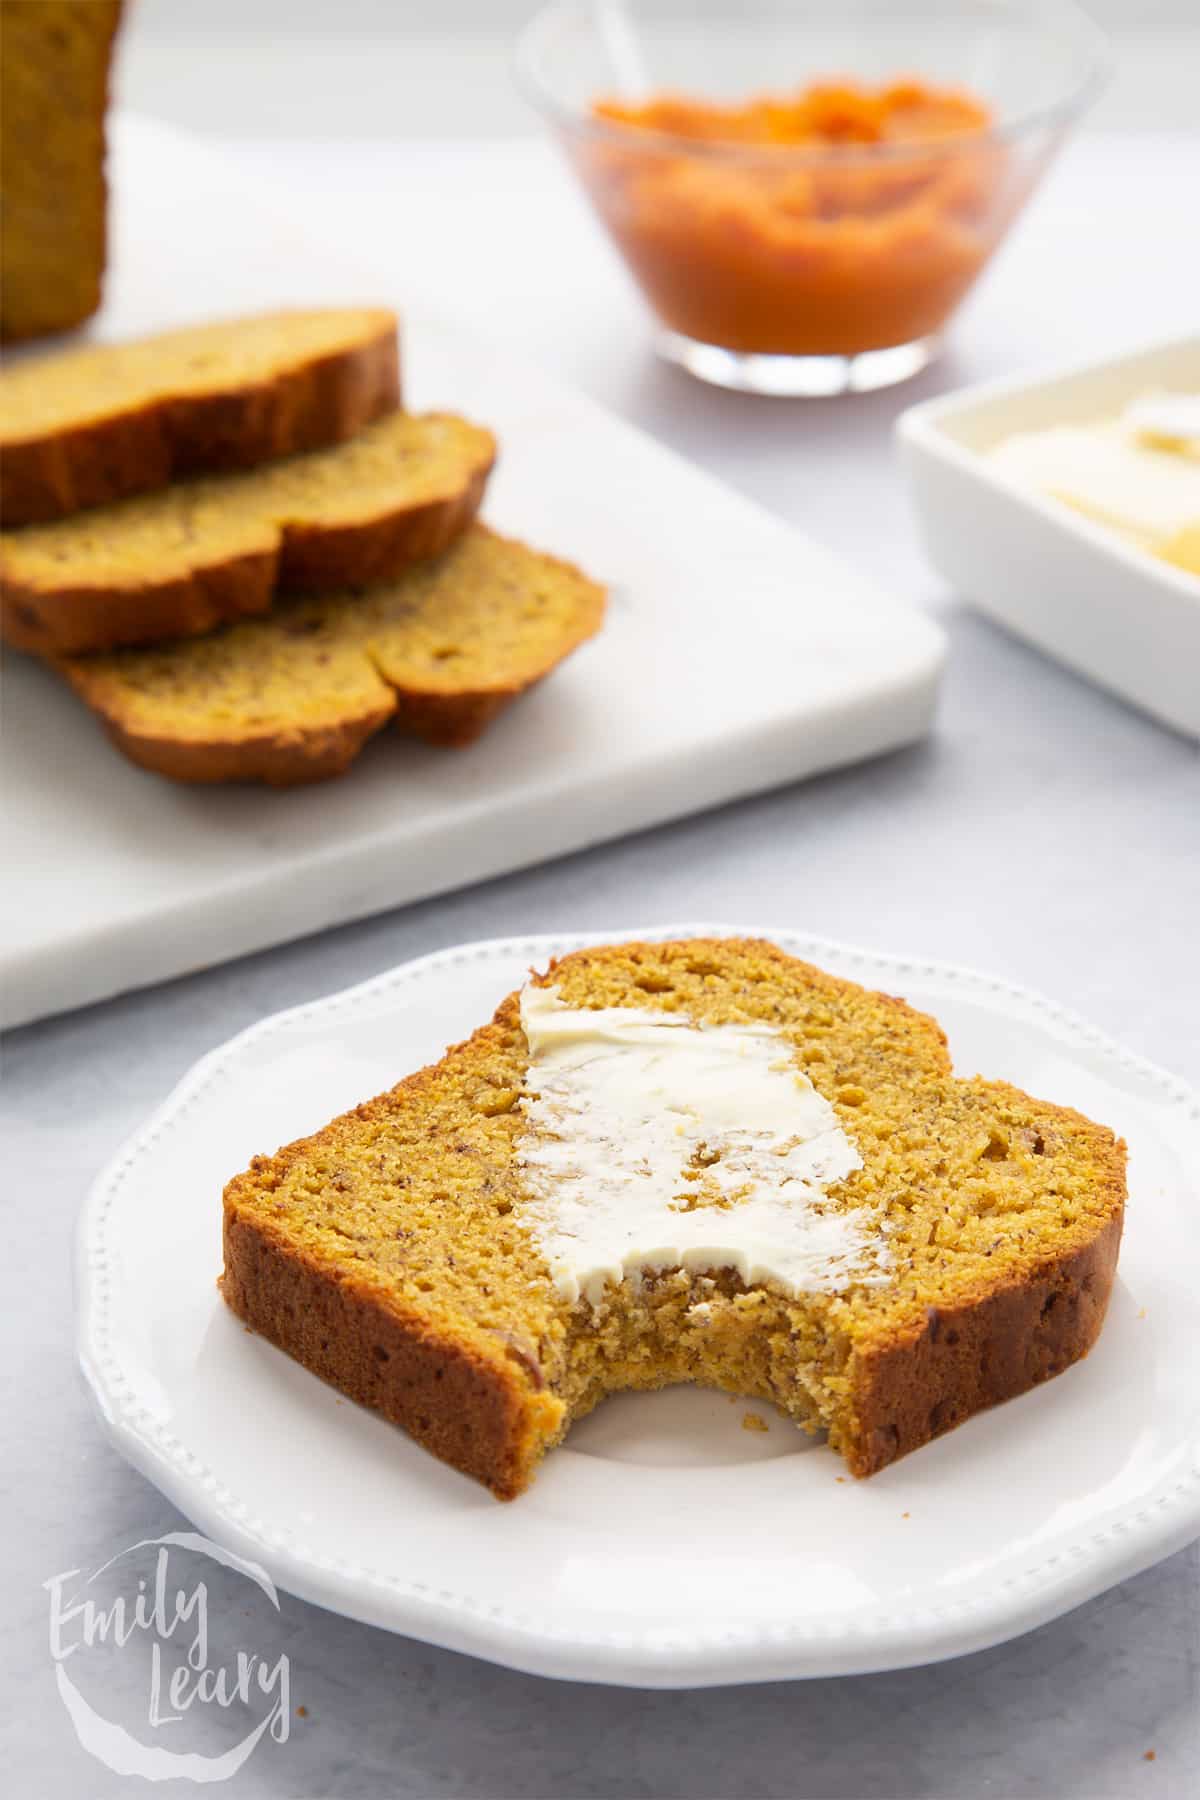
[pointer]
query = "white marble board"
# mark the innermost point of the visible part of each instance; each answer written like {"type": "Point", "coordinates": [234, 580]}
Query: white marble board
{"type": "Point", "coordinates": [737, 656]}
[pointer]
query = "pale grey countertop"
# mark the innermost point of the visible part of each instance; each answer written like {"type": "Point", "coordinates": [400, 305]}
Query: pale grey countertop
{"type": "Point", "coordinates": [1045, 832]}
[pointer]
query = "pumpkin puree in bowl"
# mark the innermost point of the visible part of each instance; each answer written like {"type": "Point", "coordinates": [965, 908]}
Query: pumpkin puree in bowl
{"type": "Point", "coordinates": [866, 239]}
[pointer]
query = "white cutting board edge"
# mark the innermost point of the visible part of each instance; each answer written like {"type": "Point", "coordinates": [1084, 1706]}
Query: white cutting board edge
{"type": "Point", "coordinates": [179, 880]}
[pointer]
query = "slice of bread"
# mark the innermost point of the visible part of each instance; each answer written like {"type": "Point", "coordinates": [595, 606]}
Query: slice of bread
{"type": "Point", "coordinates": [200, 553]}
{"type": "Point", "coordinates": [55, 57]}
{"type": "Point", "coordinates": [294, 696]}
{"type": "Point", "coordinates": [97, 424]}
{"type": "Point", "coordinates": [396, 1253]}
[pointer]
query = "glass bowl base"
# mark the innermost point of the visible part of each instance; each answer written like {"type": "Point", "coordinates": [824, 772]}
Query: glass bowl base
{"type": "Point", "coordinates": [795, 377]}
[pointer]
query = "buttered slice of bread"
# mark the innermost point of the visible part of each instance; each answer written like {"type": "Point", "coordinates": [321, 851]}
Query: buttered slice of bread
{"type": "Point", "coordinates": [292, 697]}
{"type": "Point", "coordinates": [90, 426]}
{"type": "Point", "coordinates": [200, 553]}
{"type": "Point", "coordinates": [833, 1222]}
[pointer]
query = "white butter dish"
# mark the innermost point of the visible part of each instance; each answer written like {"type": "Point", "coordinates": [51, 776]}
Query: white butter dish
{"type": "Point", "coordinates": [1117, 614]}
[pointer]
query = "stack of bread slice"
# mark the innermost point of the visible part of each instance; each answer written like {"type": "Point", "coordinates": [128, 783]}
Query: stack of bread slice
{"type": "Point", "coordinates": [246, 559]}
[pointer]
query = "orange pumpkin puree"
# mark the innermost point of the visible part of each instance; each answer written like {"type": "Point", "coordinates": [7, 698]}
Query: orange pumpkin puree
{"type": "Point", "coordinates": [759, 251]}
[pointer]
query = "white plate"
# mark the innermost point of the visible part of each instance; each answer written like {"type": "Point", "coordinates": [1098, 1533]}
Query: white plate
{"type": "Point", "coordinates": [663, 1545]}
{"type": "Point", "coordinates": [737, 655]}
{"type": "Point", "coordinates": [1124, 618]}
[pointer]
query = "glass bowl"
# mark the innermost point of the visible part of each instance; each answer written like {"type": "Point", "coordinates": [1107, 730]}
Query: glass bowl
{"type": "Point", "coordinates": [799, 267]}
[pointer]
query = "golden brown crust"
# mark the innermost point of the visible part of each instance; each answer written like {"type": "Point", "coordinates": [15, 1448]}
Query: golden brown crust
{"type": "Point", "coordinates": [311, 753]}
{"type": "Point", "coordinates": [452, 721]}
{"type": "Point", "coordinates": [974, 1356]}
{"type": "Point", "coordinates": [316, 558]}
{"type": "Point", "coordinates": [966, 1360]}
{"type": "Point", "coordinates": [320, 400]}
{"type": "Point", "coordinates": [963, 1359]}
{"type": "Point", "coordinates": [295, 759]}
{"type": "Point", "coordinates": [73, 620]}
{"type": "Point", "coordinates": [307, 557]}
{"type": "Point", "coordinates": [303, 752]}
{"type": "Point", "coordinates": [478, 1414]}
